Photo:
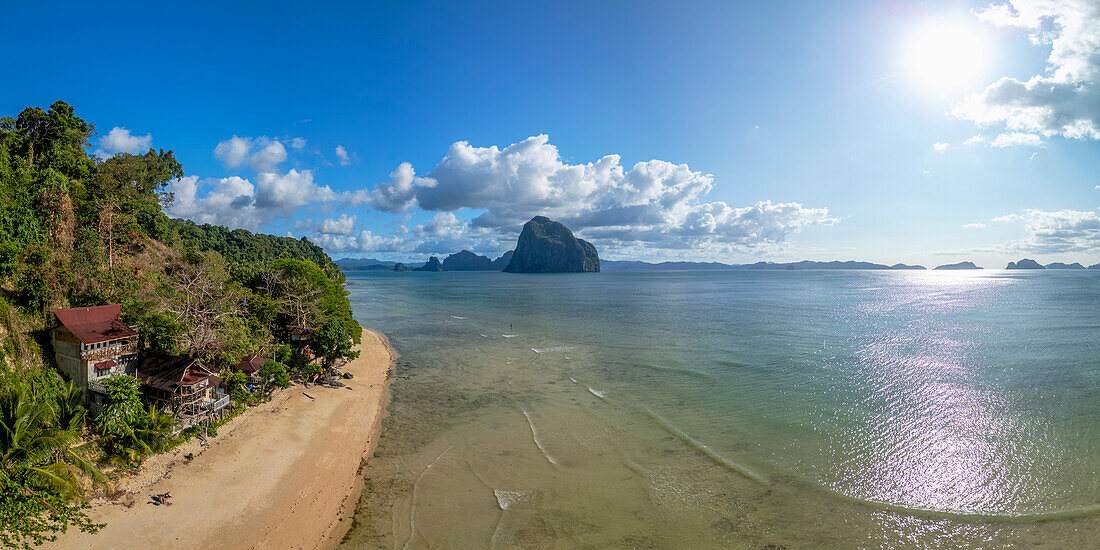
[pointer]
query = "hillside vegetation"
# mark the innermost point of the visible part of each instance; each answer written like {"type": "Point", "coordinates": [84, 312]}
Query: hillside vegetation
{"type": "Point", "coordinates": [76, 230]}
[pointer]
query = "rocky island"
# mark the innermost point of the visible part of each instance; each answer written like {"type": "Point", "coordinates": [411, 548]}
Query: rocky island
{"type": "Point", "coordinates": [1024, 264]}
{"type": "Point", "coordinates": [546, 246]}
{"type": "Point", "coordinates": [431, 265]}
{"type": "Point", "coordinates": [960, 265]}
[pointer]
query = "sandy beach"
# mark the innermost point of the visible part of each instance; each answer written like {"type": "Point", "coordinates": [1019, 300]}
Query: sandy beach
{"type": "Point", "coordinates": [284, 474]}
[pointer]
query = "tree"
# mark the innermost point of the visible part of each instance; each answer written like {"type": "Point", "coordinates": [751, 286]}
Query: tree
{"type": "Point", "coordinates": [41, 473]}
{"type": "Point", "coordinates": [201, 300]}
{"type": "Point", "coordinates": [130, 431]}
{"type": "Point", "coordinates": [273, 375]}
{"type": "Point", "coordinates": [331, 342]}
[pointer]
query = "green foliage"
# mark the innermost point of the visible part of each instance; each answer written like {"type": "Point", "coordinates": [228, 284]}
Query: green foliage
{"type": "Point", "coordinates": [30, 518]}
{"type": "Point", "coordinates": [40, 471]}
{"type": "Point", "coordinates": [123, 408]}
{"type": "Point", "coordinates": [273, 375]}
{"type": "Point", "coordinates": [236, 384]}
{"type": "Point", "coordinates": [78, 230]}
{"type": "Point", "coordinates": [131, 431]}
{"type": "Point", "coordinates": [243, 247]}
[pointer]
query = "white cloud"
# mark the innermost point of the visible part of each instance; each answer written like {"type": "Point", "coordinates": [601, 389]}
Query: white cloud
{"type": "Point", "coordinates": [237, 202]}
{"type": "Point", "coordinates": [365, 241]}
{"type": "Point", "coordinates": [940, 146]}
{"type": "Point", "coordinates": [233, 151]}
{"type": "Point", "coordinates": [268, 156]}
{"type": "Point", "coordinates": [120, 140]}
{"type": "Point", "coordinates": [297, 143]}
{"type": "Point", "coordinates": [974, 226]}
{"type": "Point", "coordinates": [342, 154]}
{"type": "Point", "coordinates": [263, 154]}
{"type": "Point", "coordinates": [228, 201]}
{"type": "Point", "coordinates": [974, 140]}
{"type": "Point", "coordinates": [1016, 138]}
{"type": "Point", "coordinates": [655, 203]}
{"type": "Point", "coordinates": [1065, 100]}
{"type": "Point", "coordinates": [396, 196]}
{"type": "Point", "coordinates": [1056, 232]}
{"type": "Point", "coordinates": [344, 225]}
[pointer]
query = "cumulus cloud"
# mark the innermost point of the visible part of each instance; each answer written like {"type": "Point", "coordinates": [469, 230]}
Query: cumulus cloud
{"type": "Point", "coordinates": [297, 143]}
{"type": "Point", "coordinates": [342, 155]}
{"type": "Point", "coordinates": [655, 202]}
{"type": "Point", "coordinates": [1056, 232]}
{"type": "Point", "coordinates": [940, 147]}
{"type": "Point", "coordinates": [120, 140]}
{"type": "Point", "coordinates": [344, 225]}
{"type": "Point", "coordinates": [268, 156]}
{"type": "Point", "coordinates": [1065, 100]}
{"type": "Point", "coordinates": [263, 154]}
{"type": "Point", "coordinates": [238, 202]}
{"type": "Point", "coordinates": [233, 151]}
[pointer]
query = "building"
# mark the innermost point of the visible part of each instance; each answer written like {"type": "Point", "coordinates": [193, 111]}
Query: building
{"type": "Point", "coordinates": [181, 386]}
{"type": "Point", "coordinates": [91, 344]}
{"type": "Point", "coordinates": [251, 365]}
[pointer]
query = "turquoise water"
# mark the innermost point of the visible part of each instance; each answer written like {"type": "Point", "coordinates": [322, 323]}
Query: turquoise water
{"type": "Point", "coordinates": [835, 409]}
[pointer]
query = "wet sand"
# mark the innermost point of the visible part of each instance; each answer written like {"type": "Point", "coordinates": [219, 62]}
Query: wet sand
{"type": "Point", "coordinates": [285, 474]}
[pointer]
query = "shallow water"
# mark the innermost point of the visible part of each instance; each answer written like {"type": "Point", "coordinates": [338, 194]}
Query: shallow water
{"type": "Point", "coordinates": [816, 409]}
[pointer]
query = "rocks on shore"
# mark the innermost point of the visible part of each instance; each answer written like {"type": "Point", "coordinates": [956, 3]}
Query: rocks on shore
{"type": "Point", "coordinates": [546, 246]}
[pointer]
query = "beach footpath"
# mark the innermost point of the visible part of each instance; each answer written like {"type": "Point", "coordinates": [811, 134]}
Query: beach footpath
{"type": "Point", "coordinates": [284, 474]}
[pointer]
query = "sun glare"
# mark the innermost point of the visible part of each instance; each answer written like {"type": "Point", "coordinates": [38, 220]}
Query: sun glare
{"type": "Point", "coordinates": [945, 56]}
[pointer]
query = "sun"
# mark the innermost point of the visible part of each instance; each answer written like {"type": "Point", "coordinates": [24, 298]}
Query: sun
{"type": "Point", "coordinates": [946, 56]}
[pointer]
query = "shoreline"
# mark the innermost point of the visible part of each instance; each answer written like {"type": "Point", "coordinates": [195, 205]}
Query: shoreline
{"type": "Point", "coordinates": [286, 473]}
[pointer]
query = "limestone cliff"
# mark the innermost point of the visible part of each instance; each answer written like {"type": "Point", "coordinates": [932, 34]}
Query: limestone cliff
{"type": "Point", "coordinates": [546, 246]}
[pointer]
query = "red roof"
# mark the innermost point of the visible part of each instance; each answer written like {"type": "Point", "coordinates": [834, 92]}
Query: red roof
{"type": "Point", "coordinates": [251, 363]}
{"type": "Point", "coordinates": [104, 365]}
{"type": "Point", "coordinates": [94, 324]}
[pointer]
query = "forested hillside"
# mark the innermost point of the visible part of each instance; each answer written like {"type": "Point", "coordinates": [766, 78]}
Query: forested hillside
{"type": "Point", "coordinates": [76, 230]}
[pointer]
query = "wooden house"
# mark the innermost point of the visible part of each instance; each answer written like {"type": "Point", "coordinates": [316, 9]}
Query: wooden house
{"type": "Point", "coordinates": [251, 365]}
{"type": "Point", "coordinates": [181, 386]}
{"type": "Point", "coordinates": [91, 344]}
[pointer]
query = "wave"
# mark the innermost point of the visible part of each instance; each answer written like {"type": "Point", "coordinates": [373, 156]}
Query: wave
{"type": "Point", "coordinates": [704, 448]}
{"type": "Point", "coordinates": [553, 349]}
{"type": "Point", "coordinates": [535, 438]}
{"type": "Point", "coordinates": [457, 317]}
{"type": "Point", "coordinates": [508, 335]}
{"type": "Point", "coordinates": [416, 487]}
{"type": "Point", "coordinates": [483, 335]}
{"type": "Point", "coordinates": [508, 499]}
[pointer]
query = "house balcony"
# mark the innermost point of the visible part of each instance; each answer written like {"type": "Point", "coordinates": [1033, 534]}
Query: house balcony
{"type": "Point", "coordinates": [125, 348]}
{"type": "Point", "coordinates": [215, 405]}
{"type": "Point", "coordinates": [97, 387]}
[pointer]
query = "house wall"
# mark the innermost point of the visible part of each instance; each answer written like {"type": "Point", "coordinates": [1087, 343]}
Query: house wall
{"type": "Point", "coordinates": [66, 349]}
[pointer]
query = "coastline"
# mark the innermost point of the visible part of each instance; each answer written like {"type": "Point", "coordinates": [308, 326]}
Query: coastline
{"type": "Point", "coordinates": [286, 473]}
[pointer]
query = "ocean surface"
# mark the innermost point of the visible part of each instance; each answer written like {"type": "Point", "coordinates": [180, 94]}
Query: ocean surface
{"type": "Point", "coordinates": [739, 409]}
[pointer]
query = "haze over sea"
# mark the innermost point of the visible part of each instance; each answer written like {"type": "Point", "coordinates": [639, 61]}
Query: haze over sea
{"type": "Point", "coordinates": [736, 409]}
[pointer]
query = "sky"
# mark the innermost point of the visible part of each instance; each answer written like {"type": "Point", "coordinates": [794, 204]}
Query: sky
{"type": "Point", "coordinates": [887, 131]}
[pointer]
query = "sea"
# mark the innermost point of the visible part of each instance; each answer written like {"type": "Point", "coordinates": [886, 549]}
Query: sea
{"type": "Point", "coordinates": [735, 409]}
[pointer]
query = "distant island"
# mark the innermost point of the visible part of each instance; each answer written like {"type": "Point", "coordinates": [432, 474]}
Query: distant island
{"type": "Point", "coordinates": [1024, 264]}
{"type": "Point", "coordinates": [546, 246]}
{"type": "Point", "coordinates": [467, 260]}
{"type": "Point", "coordinates": [960, 265]}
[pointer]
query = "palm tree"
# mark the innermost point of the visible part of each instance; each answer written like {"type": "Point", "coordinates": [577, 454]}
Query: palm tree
{"type": "Point", "coordinates": [35, 447]}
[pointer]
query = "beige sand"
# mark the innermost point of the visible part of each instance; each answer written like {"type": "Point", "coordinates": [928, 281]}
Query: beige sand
{"type": "Point", "coordinates": [284, 474]}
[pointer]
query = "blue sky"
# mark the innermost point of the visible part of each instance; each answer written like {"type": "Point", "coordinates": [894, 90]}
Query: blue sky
{"type": "Point", "coordinates": [742, 131]}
